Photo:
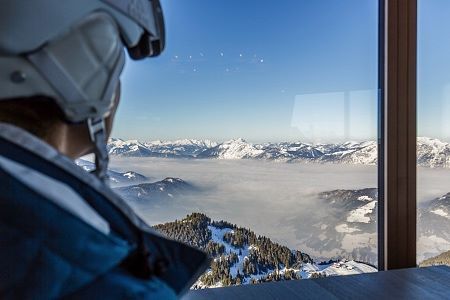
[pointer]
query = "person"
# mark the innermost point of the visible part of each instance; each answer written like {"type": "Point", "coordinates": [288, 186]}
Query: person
{"type": "Point", "coordinates": [63, 232]}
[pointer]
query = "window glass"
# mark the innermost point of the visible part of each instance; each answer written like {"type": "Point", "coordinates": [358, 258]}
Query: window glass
{"type": "Point", "coordinates": [433, 148]}
{"type": "Point", "coordinates": [253, 137]}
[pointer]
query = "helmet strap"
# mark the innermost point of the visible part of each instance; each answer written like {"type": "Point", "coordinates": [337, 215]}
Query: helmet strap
{"type": "Point", "coordinates": [97, 133]}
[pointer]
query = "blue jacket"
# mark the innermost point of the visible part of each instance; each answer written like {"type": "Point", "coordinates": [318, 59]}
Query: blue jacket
{"type": "Point", "coordinates": [65, 234]}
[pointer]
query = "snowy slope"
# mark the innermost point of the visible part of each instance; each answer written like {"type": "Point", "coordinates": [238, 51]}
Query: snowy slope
{"type": "Point", "coordinates": [304, 271]}
{"type": "Point", "coordinates": [242, 257]}
{"type": "Point", "coordinates": [346, 267]}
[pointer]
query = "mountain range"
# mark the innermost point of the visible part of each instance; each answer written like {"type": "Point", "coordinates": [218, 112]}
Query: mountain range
{"type": "Point", "coordinates": [430, 152]}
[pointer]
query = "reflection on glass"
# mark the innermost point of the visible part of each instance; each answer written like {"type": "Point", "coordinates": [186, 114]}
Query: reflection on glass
{"type": "Point", "coordinates": [253, 137]}
{"type": "Point", "coordinates": [338, 116]}
{"type": "Point", "coordinates": [433, 148]}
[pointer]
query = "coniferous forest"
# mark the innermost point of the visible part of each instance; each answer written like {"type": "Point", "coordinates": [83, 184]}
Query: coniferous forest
{"type": "Point", "coordinates": [238, 254]}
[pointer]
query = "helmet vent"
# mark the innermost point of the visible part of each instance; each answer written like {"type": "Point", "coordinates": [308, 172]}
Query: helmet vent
{"type": "Point", "coordinates": [18, 77]}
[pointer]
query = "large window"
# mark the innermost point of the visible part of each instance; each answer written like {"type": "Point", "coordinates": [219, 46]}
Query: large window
{"type": "Point", "coordinates": [433, 147]}
{"type": "Point", "coordinates": [254, 137]}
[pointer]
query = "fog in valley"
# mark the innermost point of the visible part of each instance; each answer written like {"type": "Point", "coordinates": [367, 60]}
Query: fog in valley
{"type": "Point", "coordinates": [275, 199]}
{"type": "Point", "coordinates": [271, 198]}
{"type": "Point", "coordinates": [432, 183]}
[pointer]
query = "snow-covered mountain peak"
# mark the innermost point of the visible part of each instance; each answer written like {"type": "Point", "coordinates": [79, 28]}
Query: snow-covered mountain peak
{"type": "Point", "coordinates": [236, 141]}
{"type": "Point", "coordinates": [430, 141]}
{"type": "Point", "coordinates": [238, 149]}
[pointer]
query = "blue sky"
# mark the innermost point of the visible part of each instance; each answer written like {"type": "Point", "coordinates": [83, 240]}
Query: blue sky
{"type": "Point", "coordinates": [260, 70]}
{"type": "Point", "coordinates": [434, 69]}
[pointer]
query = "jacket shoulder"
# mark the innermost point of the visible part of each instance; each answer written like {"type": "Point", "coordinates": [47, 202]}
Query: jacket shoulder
{"type": "Point", "coordinates": [117, 284]}
{"type": "Point", "coordinates": [47, 249]}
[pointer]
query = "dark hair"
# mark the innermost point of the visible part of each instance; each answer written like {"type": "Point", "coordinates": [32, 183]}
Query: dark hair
{"type": "Point", "coordinates": [37, 115]}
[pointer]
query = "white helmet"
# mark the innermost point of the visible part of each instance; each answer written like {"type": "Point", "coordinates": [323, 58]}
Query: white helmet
{"type": "Point", "coordinates": [72, 51]}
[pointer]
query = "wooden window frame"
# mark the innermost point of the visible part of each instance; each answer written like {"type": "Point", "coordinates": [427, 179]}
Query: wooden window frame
{"type": "Point", "coordinates": [397, 213]}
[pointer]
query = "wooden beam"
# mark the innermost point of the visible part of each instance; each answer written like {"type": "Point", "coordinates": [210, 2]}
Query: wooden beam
{"type": "Point", "coordinates": [417, 283]}
{"type": "Point", "coordinates": [399, 135]}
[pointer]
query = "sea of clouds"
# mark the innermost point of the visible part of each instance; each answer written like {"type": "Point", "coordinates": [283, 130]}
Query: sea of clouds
{"type": "Point", "coordinates": [278, 200]}
{"type": "Point", "coordinates": [267, 197]}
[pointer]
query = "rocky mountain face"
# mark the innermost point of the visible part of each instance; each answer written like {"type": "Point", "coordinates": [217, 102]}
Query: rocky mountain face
{"type": "Point", "coordinates": [431, 152]}
{"type": "Point", "coordinates": [242, 257]}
